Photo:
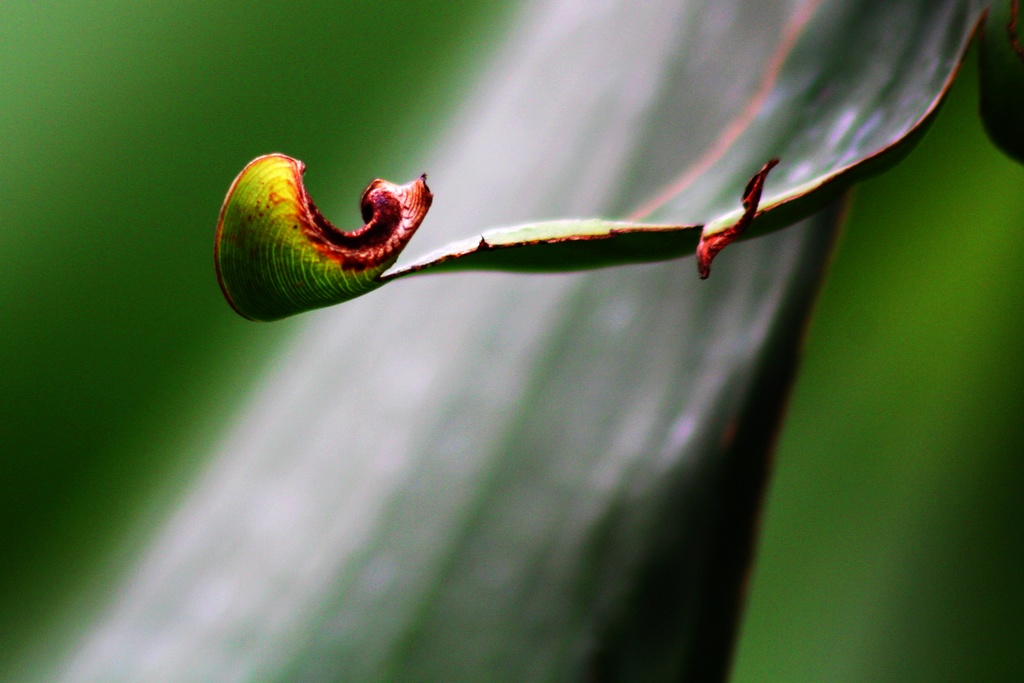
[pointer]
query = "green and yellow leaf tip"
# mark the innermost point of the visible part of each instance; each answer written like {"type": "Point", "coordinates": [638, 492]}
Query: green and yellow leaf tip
{"type": "Point", "coordinates": [276, 255]}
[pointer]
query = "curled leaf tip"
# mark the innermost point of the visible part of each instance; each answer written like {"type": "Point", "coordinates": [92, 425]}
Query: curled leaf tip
{"type": "Point", "coordinates": [276, 255]}
{"type": "Point", "coordinates": [714, 242]}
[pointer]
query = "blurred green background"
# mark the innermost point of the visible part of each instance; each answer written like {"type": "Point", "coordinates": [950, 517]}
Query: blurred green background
{"type": "Point", "coordinates": [892, 545]}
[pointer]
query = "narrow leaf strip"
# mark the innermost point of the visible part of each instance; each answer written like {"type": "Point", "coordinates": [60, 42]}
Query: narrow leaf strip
{"type": "Point", "coordinates": [587, 243]}
{"type": "Point", "coordinates": [561, 245]}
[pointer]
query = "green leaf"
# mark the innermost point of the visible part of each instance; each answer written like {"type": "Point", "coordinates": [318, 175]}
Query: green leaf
{"type": "Point", "coordinates": [826, 137]}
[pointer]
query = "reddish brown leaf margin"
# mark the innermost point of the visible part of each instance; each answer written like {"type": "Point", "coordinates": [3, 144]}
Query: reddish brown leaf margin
{"type": "Point", "coordinates": [710, 245]}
